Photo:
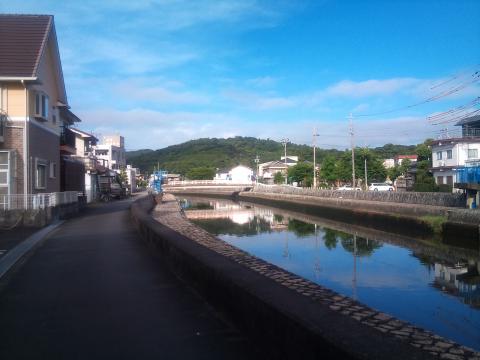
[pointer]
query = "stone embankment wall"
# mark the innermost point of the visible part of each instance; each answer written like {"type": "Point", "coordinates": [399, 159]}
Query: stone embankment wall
{"type": "Point", "coordinates": [287, 316]}
{"type": "Point", "coordinates": [422, 198]}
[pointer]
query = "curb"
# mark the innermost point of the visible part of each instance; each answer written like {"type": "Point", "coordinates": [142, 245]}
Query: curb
{"type": "Point", "coordinates": [11, 258]}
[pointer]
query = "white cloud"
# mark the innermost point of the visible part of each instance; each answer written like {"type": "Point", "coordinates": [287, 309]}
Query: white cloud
{"type": "Point", "coordinates": [160, 95]}
{"type": "Point", "coordinates": [259, 102]}
{"type": "Point", "coordinates": [371, 87]}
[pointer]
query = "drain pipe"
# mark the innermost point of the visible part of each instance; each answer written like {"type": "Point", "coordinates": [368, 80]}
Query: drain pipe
{"type": "Point", "coordinates": [26, 177]}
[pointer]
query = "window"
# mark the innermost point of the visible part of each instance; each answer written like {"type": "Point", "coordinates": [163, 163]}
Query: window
{"type": "Point", "coordinates": [472, 153]}
{"type": "Point", "coordinates": [101, 152]}
{"type": "Point", "coordinates": [3, 123]}
{"type": "Point", "coordinates": [41, 105]}
{"type": "Point", "coordinates": [41, 175]}
{"type": "Point", "coordinates": [53, 170]}
{"type": "Point", "coordinates": [449, 154]}
{"type": "Point", "coordinates": [439, 155]}
{"type": "Point", "coordinates": [3, 169]}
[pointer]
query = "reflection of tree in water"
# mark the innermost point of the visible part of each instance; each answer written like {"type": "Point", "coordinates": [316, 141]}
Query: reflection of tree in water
{"type": "Point", "coordinates": [278, 218]}
{"type": "Point", "coordinates": [226, 226]}
{"type": "Point", "coordinates": [330, 238]}
{"type": "Point", "coordinates": [365, 247]}
{"type": "Point", "coordinates": [300, 228]}
{"type": "Point", "coordinates": [186, 204]}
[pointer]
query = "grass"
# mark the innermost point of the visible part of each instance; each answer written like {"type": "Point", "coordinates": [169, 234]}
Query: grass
{"type": "Point", "coordinates": [435, 222]}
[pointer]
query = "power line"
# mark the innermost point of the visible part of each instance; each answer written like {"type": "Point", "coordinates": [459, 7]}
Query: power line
{"type": "Point", "coordinates": [451, 91]}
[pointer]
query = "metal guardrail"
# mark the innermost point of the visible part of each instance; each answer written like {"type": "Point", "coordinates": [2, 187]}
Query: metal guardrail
{"type": "Point", "coordinates": [37, 201]}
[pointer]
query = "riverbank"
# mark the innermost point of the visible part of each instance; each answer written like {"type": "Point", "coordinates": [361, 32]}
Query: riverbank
{"type": "Point", "coordinates": [415, 220]}
{"type": "Point", "coordinates": [293, 317]}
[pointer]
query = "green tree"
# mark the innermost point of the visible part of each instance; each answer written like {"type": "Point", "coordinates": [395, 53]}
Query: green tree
{"type": "Point", "coordinates": [302, 173]}
{"type": "Point", "coordinates": [328, 171]}
{"type": "Point", "coordinates": [278, 178]}
{"type": "Point", "coordinates": [123, 176]}
{"type": "Point", "coordinates": [201, 173]}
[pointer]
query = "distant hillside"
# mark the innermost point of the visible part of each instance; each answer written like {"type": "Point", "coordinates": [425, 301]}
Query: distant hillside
{"type": "Point", "coordinates": [219, 153]}
{"type": "Point", "coordinates": [226, 153]}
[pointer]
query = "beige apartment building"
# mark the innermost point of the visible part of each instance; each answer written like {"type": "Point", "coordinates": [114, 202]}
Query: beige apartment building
{"type": "Point", "coordinates": [33, 105]}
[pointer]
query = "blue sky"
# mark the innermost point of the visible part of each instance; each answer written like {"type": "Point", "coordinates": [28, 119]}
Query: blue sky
{"type": "Point", "coordinates": [161, 72]}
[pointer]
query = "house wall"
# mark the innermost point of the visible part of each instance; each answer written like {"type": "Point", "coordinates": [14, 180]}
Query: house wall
{"type": "Point", "coordinates": [50, 81]}
{"type": "Point", "coordinates": [459, 153]}
{"type": "Point", "coordinates": [44, 146]}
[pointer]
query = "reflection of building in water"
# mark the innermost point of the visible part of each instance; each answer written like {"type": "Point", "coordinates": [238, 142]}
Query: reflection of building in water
{"type": "Point", "coordinates": [461, 280]}
{"type": "Point", "coordinates": [238, 213]}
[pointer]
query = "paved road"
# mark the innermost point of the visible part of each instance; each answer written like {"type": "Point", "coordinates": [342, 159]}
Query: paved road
{"type": "Point", "coordinates": [93, 291]}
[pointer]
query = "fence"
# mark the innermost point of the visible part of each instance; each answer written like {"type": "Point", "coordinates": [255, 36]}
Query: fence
{"type": "Point", "coordinates": [37, 201]}
{"type": "Point", "coordinates": [434, 199]}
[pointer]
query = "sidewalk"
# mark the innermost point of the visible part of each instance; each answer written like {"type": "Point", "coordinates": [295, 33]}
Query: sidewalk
{"type": "Point", "coordinates": [11, 238]}
{"type": "Point", "coordinates": [94, 291]}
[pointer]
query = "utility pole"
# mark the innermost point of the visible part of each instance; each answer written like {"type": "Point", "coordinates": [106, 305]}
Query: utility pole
{"type": "Point", "coordinates": [352, 143]}
{"type": "Point", "coordinates": [257, 160]}
{"type": "Point", "coordinates": [285, 142]}
{"type": "Point", "coordinates": [315, 135]}
{"type": "Point", "coordinates": [366, 179]}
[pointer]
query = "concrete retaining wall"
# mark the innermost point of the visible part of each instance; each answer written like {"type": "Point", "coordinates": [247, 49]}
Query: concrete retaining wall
{"type": "Point", "coordinates": [422, 198]}
{"type": "Point", "coordinates": [37, 218]}
{"type": "Point", "coordinates": [286, 316]}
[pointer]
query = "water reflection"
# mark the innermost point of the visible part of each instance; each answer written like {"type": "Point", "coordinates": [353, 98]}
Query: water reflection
{"type": "Point", "coordinates": [429, 284]}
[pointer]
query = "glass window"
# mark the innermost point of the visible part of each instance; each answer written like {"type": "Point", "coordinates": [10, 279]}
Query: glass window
{"type": "Point", "coordinates": [53, 170]}
{"type": "Point", "coordinates": [41, 176]}
{"type": "Point", "coordinates": [37, 103]}
{"type": "Point", "coordinates": [449, 154]}
{"type": "Point", "coordinates": [44, 106]}
{"type": "Point", "coordinates": [472, 153]}
{"type": "Point", "coordinates": [439, 155]}
{"type": "Point", "coordinates": [3, 158]}
{"type": "Point", "coordinates": [3, 178]}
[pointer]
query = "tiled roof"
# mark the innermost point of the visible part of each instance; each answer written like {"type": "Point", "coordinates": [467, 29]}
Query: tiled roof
{"type": "Point", "coordinates": [22, 39]}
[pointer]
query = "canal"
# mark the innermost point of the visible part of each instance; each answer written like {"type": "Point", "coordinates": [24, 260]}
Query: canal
{"type": "Point", "coordinates": [430, 284]}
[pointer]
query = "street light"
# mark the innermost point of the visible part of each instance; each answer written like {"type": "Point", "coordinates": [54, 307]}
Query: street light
{"type": "Point", "coordinates": [285, 141]}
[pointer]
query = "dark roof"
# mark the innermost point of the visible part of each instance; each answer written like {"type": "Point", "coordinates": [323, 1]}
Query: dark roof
{"type": "Point", "coordinates": [22, 40]}
{"type": "Point", "coordinates": [469, 120]}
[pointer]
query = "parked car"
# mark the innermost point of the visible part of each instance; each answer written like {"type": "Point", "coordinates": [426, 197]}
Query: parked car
{"type": "Point", "coordinates": [381, 187]}
{"type": "Point", "coordinates": [348, 188]}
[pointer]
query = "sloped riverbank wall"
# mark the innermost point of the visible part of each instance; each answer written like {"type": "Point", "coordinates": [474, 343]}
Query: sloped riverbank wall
{"type": "Point", "coordinates": [287, 316]}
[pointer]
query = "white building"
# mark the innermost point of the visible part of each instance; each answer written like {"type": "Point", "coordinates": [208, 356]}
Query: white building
{"type": "Point", "coordinates": [111, 149]}
{"type": "Point", "coordinates": [388, 163]}
{"type": "Point", "coordinates": [132, 174]}
{"type": "Point", "coordinates": [238, 175]}
{"type": "Point", "coordinates": [449, 155]}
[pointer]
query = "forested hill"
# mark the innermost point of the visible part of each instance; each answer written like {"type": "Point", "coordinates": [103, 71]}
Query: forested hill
{"type": "Point", "coordinates": [226, 153]}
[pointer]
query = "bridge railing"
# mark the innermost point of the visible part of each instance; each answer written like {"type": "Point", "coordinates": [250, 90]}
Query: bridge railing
{"type": "Point", "coordinates": [206, 183]}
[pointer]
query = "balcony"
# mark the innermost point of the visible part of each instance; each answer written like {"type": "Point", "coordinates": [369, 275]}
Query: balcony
{"type": "Point", "coordinates": [67, 142]}
{"type": "Point", "coordinates": [470, 132]}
